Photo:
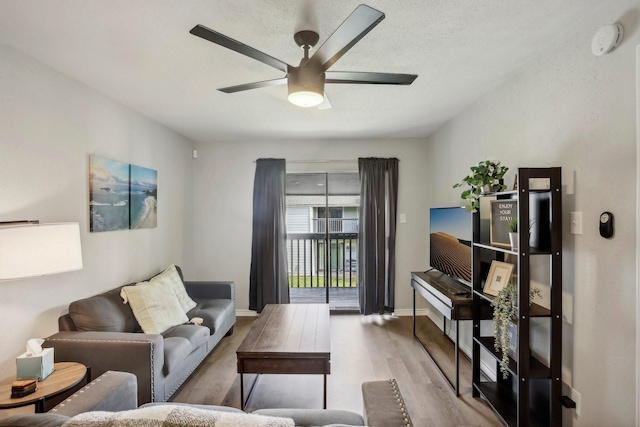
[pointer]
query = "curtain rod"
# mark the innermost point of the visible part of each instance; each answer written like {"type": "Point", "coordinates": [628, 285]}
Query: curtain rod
{"type": "Point", "coordinates": [319, 161]}
{"type": "Point", "coordinates": [322, 161]}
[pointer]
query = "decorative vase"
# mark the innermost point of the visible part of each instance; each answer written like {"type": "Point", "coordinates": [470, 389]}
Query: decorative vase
{"type": "Point", "coordinates": [513, 239]}
{"type": "Point", "coordinates": [486, 189]}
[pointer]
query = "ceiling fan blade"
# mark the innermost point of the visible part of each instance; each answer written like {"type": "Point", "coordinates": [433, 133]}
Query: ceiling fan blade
{"type": "Point", "coordinates": [369, 78]}
{"type": "Point", "coordinates": [254, 85]}
{"type": "Point", "coordinates": [229, 43]}
{"type": "Point", "coordinates": [356, 26]}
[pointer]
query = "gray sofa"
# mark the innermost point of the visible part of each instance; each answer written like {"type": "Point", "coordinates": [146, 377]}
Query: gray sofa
{"type": "Point", "coordinates": [115, 392]}
{"type": "Point", "coordinates": [102, 333]}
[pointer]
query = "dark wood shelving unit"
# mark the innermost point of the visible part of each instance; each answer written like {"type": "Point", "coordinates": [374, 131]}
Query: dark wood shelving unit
{"type": "Point", "coordinates": [531, 393]}
{"type": "Point", "coordinates": [537, 369]}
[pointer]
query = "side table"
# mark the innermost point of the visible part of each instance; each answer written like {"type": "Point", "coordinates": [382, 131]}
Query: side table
{"type": "Point", "coordinates": [64, 377]}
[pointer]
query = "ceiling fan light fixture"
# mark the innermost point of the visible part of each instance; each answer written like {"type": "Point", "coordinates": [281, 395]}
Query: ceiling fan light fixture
{"type": "Point", "coordinates": [306, 98]}
{"type": "Point", "coordinates": [306, 87]}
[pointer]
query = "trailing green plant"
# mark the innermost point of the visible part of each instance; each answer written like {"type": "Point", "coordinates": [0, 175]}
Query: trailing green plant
{"type": "Point", "coordinates": [512, 225]}
{"type": "Point", "coordinates": [505, 308]}
{"type": "Point", "coordinates": [489, 173]}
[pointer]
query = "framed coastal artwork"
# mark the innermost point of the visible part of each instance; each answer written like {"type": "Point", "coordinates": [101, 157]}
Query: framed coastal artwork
{"type": "Point", "coordinates": [108, 194]}
{"type": "Point", "coordinates": [121, 196]}
{"type": "Point", "coordinates": [143, 190]}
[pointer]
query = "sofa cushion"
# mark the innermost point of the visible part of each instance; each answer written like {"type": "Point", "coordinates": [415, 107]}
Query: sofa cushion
{"type": "Point", "coordinates": [213, 312]}
{"type": "Point", "coordinates": [103, 313]}
{"type": "Point", "coordinates": [173, 279]}
{"type": "Point", "coordinates": [196, 335]}
{"type": "Point", "coordinates": [179, 342]}
{"type": "Point", "coordinates": [155, 306]}
{"type": "Point", "coordinates": [176, 349]}
{"type": "Point", "coordinates": [175, 415]}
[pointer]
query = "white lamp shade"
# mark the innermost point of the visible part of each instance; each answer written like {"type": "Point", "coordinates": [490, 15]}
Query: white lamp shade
{"type": "Point", "coordinates": [32, 250]}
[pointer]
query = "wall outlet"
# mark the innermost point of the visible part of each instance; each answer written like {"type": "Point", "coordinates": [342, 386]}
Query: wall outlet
{"type": "Point", "coordinates": [575, 396]}
{"type": "Point", "coordinates": [403, 218]}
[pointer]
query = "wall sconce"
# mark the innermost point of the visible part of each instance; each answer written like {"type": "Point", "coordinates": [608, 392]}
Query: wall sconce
{"type": "Point", "coordinates": [29, 249]}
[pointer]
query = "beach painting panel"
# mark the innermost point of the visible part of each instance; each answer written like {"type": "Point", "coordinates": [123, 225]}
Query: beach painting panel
{"type": "Point", "coordinates": [108, 194]}
{"type": "Point", "coordinates": [143, 197]}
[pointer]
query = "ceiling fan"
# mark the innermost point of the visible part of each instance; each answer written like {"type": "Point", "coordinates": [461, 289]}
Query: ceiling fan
{"type": "Point", "coordinates": [306, 81]}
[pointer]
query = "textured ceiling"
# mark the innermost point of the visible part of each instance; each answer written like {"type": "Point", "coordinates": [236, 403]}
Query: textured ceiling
{"type": "Point", "coordinates": [140, 53]}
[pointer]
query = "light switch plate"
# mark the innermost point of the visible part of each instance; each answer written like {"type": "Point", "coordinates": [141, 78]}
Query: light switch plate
{"type": "Point", "coordinates": [403, 218]}
{"type": "Point", "coordinates": [576, 222]}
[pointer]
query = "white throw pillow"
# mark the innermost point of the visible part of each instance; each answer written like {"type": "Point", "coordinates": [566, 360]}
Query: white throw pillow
{"type": "Point", "coordinates": [171, 278]}
{"type": "Point", "coordinates": [155, 306]}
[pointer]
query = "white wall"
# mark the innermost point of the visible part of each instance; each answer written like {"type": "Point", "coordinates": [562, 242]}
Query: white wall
{"type": "Point", "coordinates": [637, 235]}
{"type": "Point", "coordinates": [574, 110]}
{"type": "Point", "coordinates": [49, 124]}
{"type": "Point", "coordinates": [224, 174]}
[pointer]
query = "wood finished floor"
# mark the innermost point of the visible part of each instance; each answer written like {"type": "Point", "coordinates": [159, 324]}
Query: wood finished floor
{"type": "Point", "coordinates": [362, 349]}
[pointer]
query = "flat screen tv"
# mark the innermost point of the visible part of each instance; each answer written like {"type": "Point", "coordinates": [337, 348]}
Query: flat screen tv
{"type": "Point", "coordinates": [450, 233]}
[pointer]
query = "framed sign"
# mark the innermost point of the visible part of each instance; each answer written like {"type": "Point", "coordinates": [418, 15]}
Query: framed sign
{"type": "Point", "coordinates": [499, 276]}
{"type": "Point", "coordinates": [501, 212]}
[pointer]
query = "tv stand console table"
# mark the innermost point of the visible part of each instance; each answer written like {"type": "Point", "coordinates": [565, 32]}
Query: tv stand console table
{"type": "Point", "coordinates": [449, 297]}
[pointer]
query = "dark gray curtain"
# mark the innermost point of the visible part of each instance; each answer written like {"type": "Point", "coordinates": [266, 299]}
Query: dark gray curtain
{"type": "Point", "coordinates": [268, 282]}
{"type": "Point", "coordinates": [377, 234]}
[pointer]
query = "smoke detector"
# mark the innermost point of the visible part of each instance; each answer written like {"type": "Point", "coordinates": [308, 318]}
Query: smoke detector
{"type": "Point", "coordinates": [606, 39]}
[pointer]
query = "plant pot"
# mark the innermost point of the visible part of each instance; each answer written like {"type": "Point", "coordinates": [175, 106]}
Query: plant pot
{"type": "Point", "coordinates": [486, 189]}
{"type": "Point", "coordinates": [513, 239]}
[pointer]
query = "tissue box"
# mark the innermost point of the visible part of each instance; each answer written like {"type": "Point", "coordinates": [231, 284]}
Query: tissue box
{"type": "Point", "coordinates": [37, 366]}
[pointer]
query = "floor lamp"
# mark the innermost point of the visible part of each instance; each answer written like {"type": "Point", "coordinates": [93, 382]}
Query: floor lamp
{"type": "Point", "coordinates": [30, 249]}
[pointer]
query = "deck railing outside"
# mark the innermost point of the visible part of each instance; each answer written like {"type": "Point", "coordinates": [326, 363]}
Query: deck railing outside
{"type": "Point", "coordinates": [336, 225]}
{"type": "Point", "coordinates": [307, 265]}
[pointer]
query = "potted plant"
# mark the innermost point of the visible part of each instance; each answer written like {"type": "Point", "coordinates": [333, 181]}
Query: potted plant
{"type": "Point", "coordinates": [505, 308]}
{"type": "Point", "coordinates": [486, 177]}
{"type": "Point", "coordinates": [512, 226]}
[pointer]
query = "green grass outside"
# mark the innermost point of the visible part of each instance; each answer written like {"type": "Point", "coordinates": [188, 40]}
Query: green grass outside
{"type": "Point", "coordinates": [318, 282]}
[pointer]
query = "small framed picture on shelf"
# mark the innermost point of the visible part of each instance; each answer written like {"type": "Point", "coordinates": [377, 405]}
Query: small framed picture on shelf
{"type": "Point", "coordinates": [499, 276]}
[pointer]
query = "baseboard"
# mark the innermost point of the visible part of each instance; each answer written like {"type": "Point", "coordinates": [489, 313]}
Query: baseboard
{"type": "Point", "coordinates": [245, 313]}
{"type": "Point", "coordinates": [409, 312]}
{"type": "Point", "coordinates": [402, 312]}
{"type": "Point", "coordinates": [487, 371]}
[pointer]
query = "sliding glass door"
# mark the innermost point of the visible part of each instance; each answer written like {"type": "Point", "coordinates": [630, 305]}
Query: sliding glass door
{"type": "Point", "coordinates": [322, 238]}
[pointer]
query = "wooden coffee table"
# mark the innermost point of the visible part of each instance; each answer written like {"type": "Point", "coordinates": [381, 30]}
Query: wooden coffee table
{"type": "Point", "coordinates": [287, 339]}
{"type": "Point", "coordinates": [65, 376]}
